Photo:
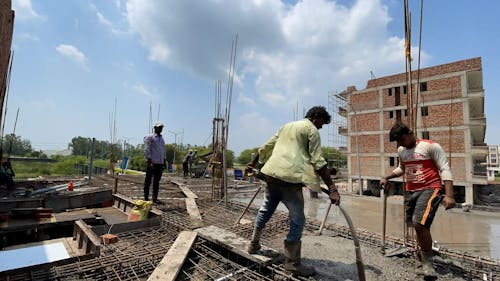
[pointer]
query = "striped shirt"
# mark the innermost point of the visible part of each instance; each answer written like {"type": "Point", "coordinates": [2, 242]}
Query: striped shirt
{"type": "Point", "coordinates": [425, 165]}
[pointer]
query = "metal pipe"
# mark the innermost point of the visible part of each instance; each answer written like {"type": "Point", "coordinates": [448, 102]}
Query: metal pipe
{"type": "Point", "coordinates": [325, 218]}
{"type": "Point", "coordinates": [91, 165]}
{"type": "Point", "coordinates": [360, 183]}
{"type": "Point", "coordinates": [248, 206]}
{"type": "Point", "coordinates": [384, 219]}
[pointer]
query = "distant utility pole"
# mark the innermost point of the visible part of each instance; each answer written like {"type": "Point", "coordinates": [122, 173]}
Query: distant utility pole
{"type": "Point", "coordinates": [175, 141]}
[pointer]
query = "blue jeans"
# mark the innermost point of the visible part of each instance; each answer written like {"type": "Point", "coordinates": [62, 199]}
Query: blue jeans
{"type": "Point", "coordinates": [291, 195]}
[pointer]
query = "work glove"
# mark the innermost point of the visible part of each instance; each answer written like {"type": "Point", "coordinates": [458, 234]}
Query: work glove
{"type": "Point", "coordinates": [334, 194]}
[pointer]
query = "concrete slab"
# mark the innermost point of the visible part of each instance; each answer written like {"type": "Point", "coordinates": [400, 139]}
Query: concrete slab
{"type": "Point", "coordinates": [112, 215]}
{"type": "Point", "coordinates": [235, 243]}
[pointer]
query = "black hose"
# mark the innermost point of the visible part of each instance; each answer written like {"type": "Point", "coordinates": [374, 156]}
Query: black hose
{"type": "Point", "coordinates": [357, 248]}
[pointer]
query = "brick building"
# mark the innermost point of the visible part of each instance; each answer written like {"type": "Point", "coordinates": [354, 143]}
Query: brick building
{"type": "Point", "coordinates": [6, 29]}
{"type": "Point", "coordinates": [450, 111]}
{"type": "Point", "coordinates": [493, 162]}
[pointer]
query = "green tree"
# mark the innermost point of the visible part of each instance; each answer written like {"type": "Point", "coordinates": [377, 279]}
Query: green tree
{"type": "Point", "coordinates": [81, 146]}
{"type": "Point", "coordinates": [334, 157]}
{"type": "Point", "coordinates": [66, 165]}
{"type": "Point", "coordinates": [14, 145]}
{"type": "Point", "coordinates": [229, 158]}
{"type": "Point", "coordinates": [246, 156]}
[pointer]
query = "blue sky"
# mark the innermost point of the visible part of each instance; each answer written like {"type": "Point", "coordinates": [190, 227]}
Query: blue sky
{"type": "Point", "coordinates": [73, 59]}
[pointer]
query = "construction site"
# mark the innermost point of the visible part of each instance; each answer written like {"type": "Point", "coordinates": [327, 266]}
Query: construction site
{"type": "Point", "coordinates": [87, 228]}
{"type": "Point", "coordinates": [195, 235]}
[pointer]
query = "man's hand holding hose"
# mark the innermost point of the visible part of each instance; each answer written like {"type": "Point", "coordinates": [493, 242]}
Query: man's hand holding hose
{"type": "Point", "coordinates": [251, 168]}
{"type": "Point", "coordinates": [333, 193]}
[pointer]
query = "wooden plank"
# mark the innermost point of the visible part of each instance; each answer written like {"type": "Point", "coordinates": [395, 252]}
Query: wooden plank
{"type": "Point", "coordinates": [194, 213]}
{"type": "Point", "coordinates": [235, 243]}
{"type": "Point", "coordinates": [89, 241]}
{"type": "Point", "coordinates": [171, 264]}
{"type": "Point", "coordinates": [187, 192]}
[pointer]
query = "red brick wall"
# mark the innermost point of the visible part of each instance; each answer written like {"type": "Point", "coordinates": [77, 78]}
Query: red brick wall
{"type": "Point", "coordinates": [367, 143]}
{"type": "Point", "coordinates": [442, 115]}
{"type": "Point", "coordinates": [389, 147]}
{"type": "Point", "coordinates": [468, 64]}
{"type": "Point", "coordinates": [457, 165]}
{"type": "Point", "coordinates": [389, 122]}
{"type": "Point", "coordinates": [364, 101]}
{"type": "Point", "coordinates": [442, 89]}
{"type": "Point", "coordinates": [443, 138]}
{"type": "Point", "coordinates": [370, 166]}
{"type": "Point", "coordinates": [365, 122]}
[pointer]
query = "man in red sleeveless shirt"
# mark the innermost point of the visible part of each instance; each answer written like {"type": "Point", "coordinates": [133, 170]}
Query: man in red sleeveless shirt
{"type": "Point", "coordinates": [425, 167]}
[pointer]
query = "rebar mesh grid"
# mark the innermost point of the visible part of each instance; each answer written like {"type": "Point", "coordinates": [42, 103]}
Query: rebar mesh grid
{"type": "Point", "coordinates": [205, 263]}
{"type": "Point", "coordinates": [138, 252]}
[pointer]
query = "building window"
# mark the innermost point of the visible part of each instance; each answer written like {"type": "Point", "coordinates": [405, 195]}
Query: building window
{"type": "Point", "coordinates": [391, 114]}
{"type": "Point", "coordinates": [424, 111]}
{"type": "Point", "coordinates": [404, 90]}
{"type": "Point", "coordinates": [392, 161]}
{"type": "Point", "coordinates": [389, 92]}
{"type": "Point", "coordinates": [406, 112]}
{"type": "Point", "coordinates": [425, 135]}
{"type": "Point", "coordinates": [423, 86]}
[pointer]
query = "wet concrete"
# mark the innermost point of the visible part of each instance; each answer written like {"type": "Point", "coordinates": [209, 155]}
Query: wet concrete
{"type": "Point", "coordinates": [474, 232]}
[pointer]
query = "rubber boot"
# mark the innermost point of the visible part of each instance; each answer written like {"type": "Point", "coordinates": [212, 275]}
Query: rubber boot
{"type": "Point", "coordinates": [427, 268]}
{"type": "Point", "coordinates": [293, 263]}
{"type": "Point", "coordinates": [254, 245]}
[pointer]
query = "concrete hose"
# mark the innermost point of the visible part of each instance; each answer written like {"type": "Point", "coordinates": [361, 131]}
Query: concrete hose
{"type": "Point", "coordinates": [357, 248]}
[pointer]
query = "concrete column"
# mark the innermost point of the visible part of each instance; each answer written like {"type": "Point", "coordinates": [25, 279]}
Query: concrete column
{"type": "Point", "coordinates": [349, 185]}
{"type": "Point", "coordinates": [469, 194]}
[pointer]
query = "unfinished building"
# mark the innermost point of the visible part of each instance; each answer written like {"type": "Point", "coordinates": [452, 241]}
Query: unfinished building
{"type": "Point", "coordinates": [450, 99]}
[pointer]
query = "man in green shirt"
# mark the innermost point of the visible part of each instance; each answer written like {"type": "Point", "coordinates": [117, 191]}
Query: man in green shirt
{"type": "Point", "coordinates": [292, 160]}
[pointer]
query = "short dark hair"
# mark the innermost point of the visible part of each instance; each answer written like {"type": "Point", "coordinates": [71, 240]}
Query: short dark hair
{"type": "Point", "coordinates": [318, 112]}
{"type": "Point", "coordinates": [398, 130]}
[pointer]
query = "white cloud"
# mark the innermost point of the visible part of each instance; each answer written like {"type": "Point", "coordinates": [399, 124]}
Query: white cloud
{"type": "Point", "coordinates": [300, 51]}
{"type": "Point", "coordinates": [141, 89]}
{"type": "Point", "coordinates": [73, 54]}
{"type": "Point", "coordinates": [287, 53]}
{"type": "Point", "coordinates": [242, 98]}
{"type": "Point", "coordinates": [24, 10]}
{"type": "Point", "coordinates": [109, 25]}
{"type": "Point", "coordinates": [30, 36]}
